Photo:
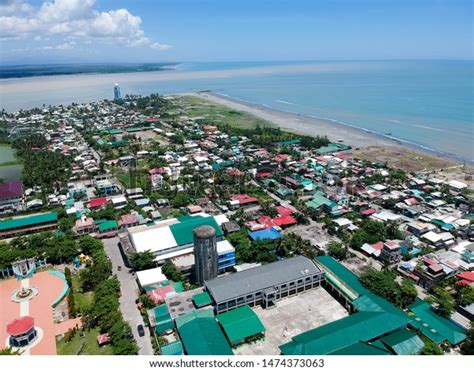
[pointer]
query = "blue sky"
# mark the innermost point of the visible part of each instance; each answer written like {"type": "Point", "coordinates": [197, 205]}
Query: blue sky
{"type": "Point", "coordinates": [34, 31]}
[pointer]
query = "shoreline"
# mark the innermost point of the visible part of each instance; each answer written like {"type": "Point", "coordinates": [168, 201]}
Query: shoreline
{"type": "Point", "coordinates": [335, 130]}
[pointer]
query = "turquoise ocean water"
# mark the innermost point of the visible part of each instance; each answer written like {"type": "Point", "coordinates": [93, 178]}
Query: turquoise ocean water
{"type": "Point", "coordinates": [425, 103]}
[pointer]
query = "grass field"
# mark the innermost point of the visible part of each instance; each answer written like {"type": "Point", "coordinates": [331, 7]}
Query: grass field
{"type": "Point", "coordinates": [196, 107]}
{"type": "Point", "coordinates": [90, 346]}
{"type": "Point", "coordinates": [83, 300]}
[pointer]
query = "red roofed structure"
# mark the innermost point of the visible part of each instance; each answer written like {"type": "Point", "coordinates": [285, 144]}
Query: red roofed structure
{"type": "Point", "coordinates": [283, 211]}
{"type": "Point", "coordinates": [467, 278]}
{"type": "Point", "coordinates": [103, 339]}
{"type": "Point", "coordinates": [97, 202]}
{"type": "Point", "coordinates": [22, 331]}
{"type": "Point", "coordinates": [368, 212]}
{"type": "Point", "coordinates": [159, 295]}
{"type": "Point", "coordinates": [20, 325]}
{"type": "Point", "coordinates": [284, 221]}
{"type": "Point", "coordinates": [244, 199]}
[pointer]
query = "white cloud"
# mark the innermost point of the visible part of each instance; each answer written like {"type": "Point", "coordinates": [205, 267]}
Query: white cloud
{"type": "Point", "coordinates": [8, 7]}
{"type": "Point", "coordinates": [73, 19]}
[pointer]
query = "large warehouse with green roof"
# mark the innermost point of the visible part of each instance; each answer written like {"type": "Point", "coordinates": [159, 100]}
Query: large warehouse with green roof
{"type": "Point", "coordinates": [28, 224]}
{"type": "Point", "coordinates": [173, 237]}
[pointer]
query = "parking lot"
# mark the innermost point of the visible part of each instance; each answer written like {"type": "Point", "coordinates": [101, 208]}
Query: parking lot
{"type": "Point", "coordinates": [292, 316]}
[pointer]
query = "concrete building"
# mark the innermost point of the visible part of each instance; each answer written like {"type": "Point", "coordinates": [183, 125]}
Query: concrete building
{"type": "Point", "coordinates": [205, 253]}
{"type": "Point", "coordinates": [264, 285]}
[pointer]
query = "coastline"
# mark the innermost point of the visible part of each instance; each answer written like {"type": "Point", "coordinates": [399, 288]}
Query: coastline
{"type": "Point", "coordinates": [336, 131]}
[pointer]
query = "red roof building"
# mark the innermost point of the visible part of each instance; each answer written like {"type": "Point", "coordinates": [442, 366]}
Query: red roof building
{"type": "Point", "coordinates": [283, 211]}
{"type": "Point", "coordinates": [285, 221]}
{"type": "Point", "coordinates": [103, 339]}
{"type": "Point", "coordinates": [368, 212]}
{"type": "Point", "coordinates": [467, 278]}
{"type": "Point", "coordinates": [244, 199]}
{"type": "Point", "coordinates": [97, 202]}
{"type": "Point", "coordinates": [20, 325]}
{"type": "Point", "coordinates": [159, 295]}
{"type": "Point", "coordinates": [11, 190]}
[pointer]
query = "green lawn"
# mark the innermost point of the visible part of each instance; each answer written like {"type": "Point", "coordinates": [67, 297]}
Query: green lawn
{"type": "Point", "coordinates": [90, 345]}
{"type": "Point", "coordinates": [83, 300]}
{"type": "Point", "coordinates": [197, 107]}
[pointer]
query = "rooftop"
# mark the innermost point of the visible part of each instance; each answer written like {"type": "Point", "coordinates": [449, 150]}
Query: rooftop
{"type": "Point", "coordinates": [259, 278]}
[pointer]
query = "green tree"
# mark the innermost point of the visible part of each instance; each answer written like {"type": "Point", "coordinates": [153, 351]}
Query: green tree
{"type": "Point", "coordinates": [181, 199]}
{"type": "Point", "coordinates": [336, 250]}
{"type": "Point", "coordinates": [71, 304]}
{"type": "Point", "coordinates": [142, 260]}
{"type": "Point", "coordinates": [443, 301]}
{"type": "Point", "coordinates": [408, 293]}
{"type": "Point", "coordinates": [431, 349]}
{"type": "Point", "coordinates": [8, 351]}
{"type": "Point", "coordinates": [467, 347]}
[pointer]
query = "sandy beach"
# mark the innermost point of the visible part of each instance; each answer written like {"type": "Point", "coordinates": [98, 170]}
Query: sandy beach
{"type": "Point", "coordinates": [301, 124]}
{"type": "Point", "coordinates": [363, 142]}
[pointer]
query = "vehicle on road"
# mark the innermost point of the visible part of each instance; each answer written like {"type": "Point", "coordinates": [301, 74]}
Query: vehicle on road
{"type": "Point", "coordinates": [141, 330]}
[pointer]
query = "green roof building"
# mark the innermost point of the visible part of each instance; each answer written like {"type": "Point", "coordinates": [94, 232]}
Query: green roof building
{"type": "Point", "coordinates": [201, 300]}
{"type": "Point", "coordinates": [162, 319]}
{"type": "Point", "coordinates": [172, 349]}
{"type": "Point", "coordinates": [240, 324]}
{"type": "Point", "coordinates": [375, 318]}
{"type": "Point", "coordinates": [28, 224]}
{"type": "Point", "coordinates": [436, 328]}
{"type": "Point", "coordinates": [183, 231]}
{"type": "Point", "coordinates": [201, 335]}
{"type": "Point", "coordinates": [346, 281]}
{"type": "Point", "coordinates": [403, 342]}
{"type": "Point", "coordinates": [362, 349]}
{"type": "Point", "coordinates": [107, 226]}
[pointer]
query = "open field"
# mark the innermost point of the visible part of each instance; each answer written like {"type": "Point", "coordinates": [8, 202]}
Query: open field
{"type": "Point", "coordinates": [402, 158]}
{"type": "Point", "coordinates": [195, 107]}
{"type": "Point", "coordinates": [89, 347]}
{"type": "Point", "coordinates": [292, 316]}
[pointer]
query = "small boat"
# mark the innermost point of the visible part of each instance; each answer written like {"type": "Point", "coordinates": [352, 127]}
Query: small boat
{"type": "Point", "coordinates": [388, 134]}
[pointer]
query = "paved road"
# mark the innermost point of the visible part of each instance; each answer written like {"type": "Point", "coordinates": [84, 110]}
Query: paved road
{"type": "Point", "coordinates": [130, 292]}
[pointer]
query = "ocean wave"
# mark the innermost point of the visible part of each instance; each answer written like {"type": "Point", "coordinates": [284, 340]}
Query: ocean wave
{"type": "Point", "coordinates": [359, 128]}
{"type": "Point", "coordinates": [428, 127]}
{"type": "Point", "coordinates": [285, 102]}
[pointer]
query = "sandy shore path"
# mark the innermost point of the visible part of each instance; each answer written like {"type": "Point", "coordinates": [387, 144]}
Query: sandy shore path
{"type": "Point", "coordinates": [303, 124]}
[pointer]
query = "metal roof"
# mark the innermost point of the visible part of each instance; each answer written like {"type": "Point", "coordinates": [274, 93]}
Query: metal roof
{"type": "Point", "coordinates": [183, 232]}
{"type": "Point", "coordinates": [28, 221]}
{"type": "Point", "coordinates": [260, 278]}
{"type": "Point", "coordinates": [334, 336]}
{"type": "Point", "coordinates": [361, 349]}
{"type": "Point", "coordinates": [376, 317]}
{"type": "Point", "coordinates": [343, 274]}
{"type": "Point", "coordinates": [433, 326]}
{"type": "Point", "coordinates": [403, 342]}
{"type": "Point", "coordinates": [240, 323]}
{"type": "Point", "coordinates": [172, 349]}
{"type": "Point", "coordinates": [201, 335]}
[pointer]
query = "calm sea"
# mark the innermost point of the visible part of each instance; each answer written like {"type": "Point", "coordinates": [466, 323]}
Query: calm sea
{"type": "Point", "coordinates": [426, 103]}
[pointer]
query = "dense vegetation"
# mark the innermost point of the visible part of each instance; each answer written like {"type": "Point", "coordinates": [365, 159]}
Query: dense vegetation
{"type": "Point", "coordinates": [385, 285]}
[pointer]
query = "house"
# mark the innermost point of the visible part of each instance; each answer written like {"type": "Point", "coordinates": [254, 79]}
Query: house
{"type": "Point", "coordinates": [97, 203]}
{"type": "Point", "coordinates": [290, 182]}
{"type": "Point", "coordinates": [84, 226]}
{"type": "Point", "coordinates": [11, 194]}
{"type": "Point", "coordinates": [244, 200]}
{"type": "Point", "coordinates": [128, 220]}
{"type": "Point", "coordinates": [391, 252]}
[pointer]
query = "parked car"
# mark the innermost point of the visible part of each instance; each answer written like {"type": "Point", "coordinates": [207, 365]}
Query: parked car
{"type": "Point", "coordinates": [141, 330]}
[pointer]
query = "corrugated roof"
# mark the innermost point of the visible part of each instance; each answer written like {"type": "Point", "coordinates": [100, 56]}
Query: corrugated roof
{"type": "Point", "coordinates": [172, 349]}
{"type": "Point", "coordinates": [28, 221]}
{"type": "Point", "coordinates": [343, 274]}
{"type": "Point", "coordinates": [202, 299]}
{"type": "Point", "coordinates": [183, 232]}
{"type": "Point", "coordinates": [109, 224]}
{"type": "Point", "coordinates": [334, 336]}
{"type": "Point", "coordinates": [361, 349]}
{"type": "Point", "coordinates": [202, 336]}
{"type": "Point", "coordinates": [403, 342]}
{"type": "Point", "coordinates": [259, 278]}
{"type": "Point", "coordinates": [433, 326]}
{"type": "Point", "coordinates": [240, 323]}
